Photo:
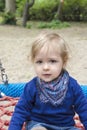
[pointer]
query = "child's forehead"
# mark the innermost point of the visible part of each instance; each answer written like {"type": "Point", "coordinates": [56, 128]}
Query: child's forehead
{"type": "Point", "coordinates": [51, 46]}
{"type": "Point", "coordinates": [49, 49]}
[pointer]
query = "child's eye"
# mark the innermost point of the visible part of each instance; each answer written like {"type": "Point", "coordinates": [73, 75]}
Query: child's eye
{"type": "Point", "coordinates": [53, 61]}
{"type": "Point", "coordinates": [39, 62]}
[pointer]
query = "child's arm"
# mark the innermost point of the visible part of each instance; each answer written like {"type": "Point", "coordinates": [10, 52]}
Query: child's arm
{"type": "Point", "coordinates": [22, 109]}
{"type": "Point", "coordinates": [80, 104]}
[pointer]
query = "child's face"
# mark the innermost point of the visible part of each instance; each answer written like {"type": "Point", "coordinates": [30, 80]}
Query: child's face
{"type": "Point", "coordinates": [48, 64]}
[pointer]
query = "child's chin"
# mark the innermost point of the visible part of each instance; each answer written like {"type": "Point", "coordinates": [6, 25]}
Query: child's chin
{"type": "Point", "coordinates": [47, 80]}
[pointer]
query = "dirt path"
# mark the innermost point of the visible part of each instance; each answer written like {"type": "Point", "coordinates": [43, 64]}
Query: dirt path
{"type": "Point", "coordinates": [15, 43]}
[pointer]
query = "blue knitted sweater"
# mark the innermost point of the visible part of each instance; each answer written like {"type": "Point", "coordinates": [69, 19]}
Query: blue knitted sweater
{"type": "Point", "coordinates": [29, 107]}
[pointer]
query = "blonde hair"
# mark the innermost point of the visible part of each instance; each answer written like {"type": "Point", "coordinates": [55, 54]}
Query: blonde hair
{"type": "Point", "coordinates": [47, 39]}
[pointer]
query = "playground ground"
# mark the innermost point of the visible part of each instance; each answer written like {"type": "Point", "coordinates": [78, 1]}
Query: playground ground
{"type": "Point", "coordinates": [15, 43]}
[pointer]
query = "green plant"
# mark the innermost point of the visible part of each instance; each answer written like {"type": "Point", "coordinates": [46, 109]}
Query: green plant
{"type": "Point", "coordinates": [43, 10]}
{"type": "Point", "coordinates": [2, 5]}
{"type": "Point", "coordinates": [20, 7]}
{"type": "Point", "coordinates": [75, 10]}
{"type": "Point", "coordinates": [8, 18]}
{"type": "Point", "coordinates": [53, 24]}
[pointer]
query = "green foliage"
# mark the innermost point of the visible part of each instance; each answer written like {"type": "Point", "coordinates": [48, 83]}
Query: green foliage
{"type": "Point", "coordinates": [75, 10]}
{"type": "Point", "coordinates": [8, 18]}
{"type": "Point", "coordinates": [43, 10]}
{"type": "Point", "coordinates": [53, 24]}
{"type": "Point", "coordinates": [2, 5]}
{"type": "Point", "coordinates": [84, 10]}
{"type": "Point", "coordinates": [1, 19]}
{"type": "Point", "coordinates": [20, 7]}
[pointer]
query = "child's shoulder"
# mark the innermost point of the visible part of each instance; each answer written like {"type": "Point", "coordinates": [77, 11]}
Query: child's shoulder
{"type": "Point", "coordinates": [32, 81]}
{"type": "Point", "coordinates": [31, 84]}
{"type": "Point", "coordinates": [73, 83]}
{"type": "Point", "coordinates": [72, 80]}
{"type": "Point", "coordinates": [30, 88]}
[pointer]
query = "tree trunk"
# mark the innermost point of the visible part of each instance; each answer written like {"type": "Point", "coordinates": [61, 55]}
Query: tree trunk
{"type": "Point", "coordinates": [59, 11]}
{"type": "Point", "coordinates": [28, 5]}
{"type": "Point", "coordinates": [10, 6]}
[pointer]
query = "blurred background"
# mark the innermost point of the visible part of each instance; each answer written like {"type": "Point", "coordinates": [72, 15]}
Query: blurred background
{"type": "Point", "coordinates": [22, 20]}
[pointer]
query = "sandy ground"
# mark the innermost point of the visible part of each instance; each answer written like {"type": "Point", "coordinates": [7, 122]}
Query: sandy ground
{"type": "Point", "coordinates": [15, 43]}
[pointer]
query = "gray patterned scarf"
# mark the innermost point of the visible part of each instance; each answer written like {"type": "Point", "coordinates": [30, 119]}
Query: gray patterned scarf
{"type": "Point", "coordinates": [53, 92]}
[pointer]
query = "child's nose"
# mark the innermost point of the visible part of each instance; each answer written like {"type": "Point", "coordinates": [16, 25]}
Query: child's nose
{"type": "Point", "coordinates": [45, 66]}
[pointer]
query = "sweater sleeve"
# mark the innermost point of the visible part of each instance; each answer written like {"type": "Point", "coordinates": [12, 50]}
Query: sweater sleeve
{"type": "Point", "coordinates": [23, 108]}
{"type": "Point", "coordinates": [80, 104]}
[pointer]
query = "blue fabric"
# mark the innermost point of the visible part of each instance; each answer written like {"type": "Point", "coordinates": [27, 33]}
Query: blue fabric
{"type": "Point", "coordinates": [84, 89]}
{"type": "Point", "coordinates": [12, 89]}
{"type": "Point", "coordinates": [29, 107]}
{"type": "Point", "coordinates": [34, 124]}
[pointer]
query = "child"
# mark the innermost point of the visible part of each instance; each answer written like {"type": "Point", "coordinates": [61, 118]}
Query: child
{"type": "Point", "coordinates": [50, 100]}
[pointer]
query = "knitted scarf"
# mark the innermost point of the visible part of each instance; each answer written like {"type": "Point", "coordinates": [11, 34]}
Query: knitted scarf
{"type": "Point", "coordinates": [53, 92]}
